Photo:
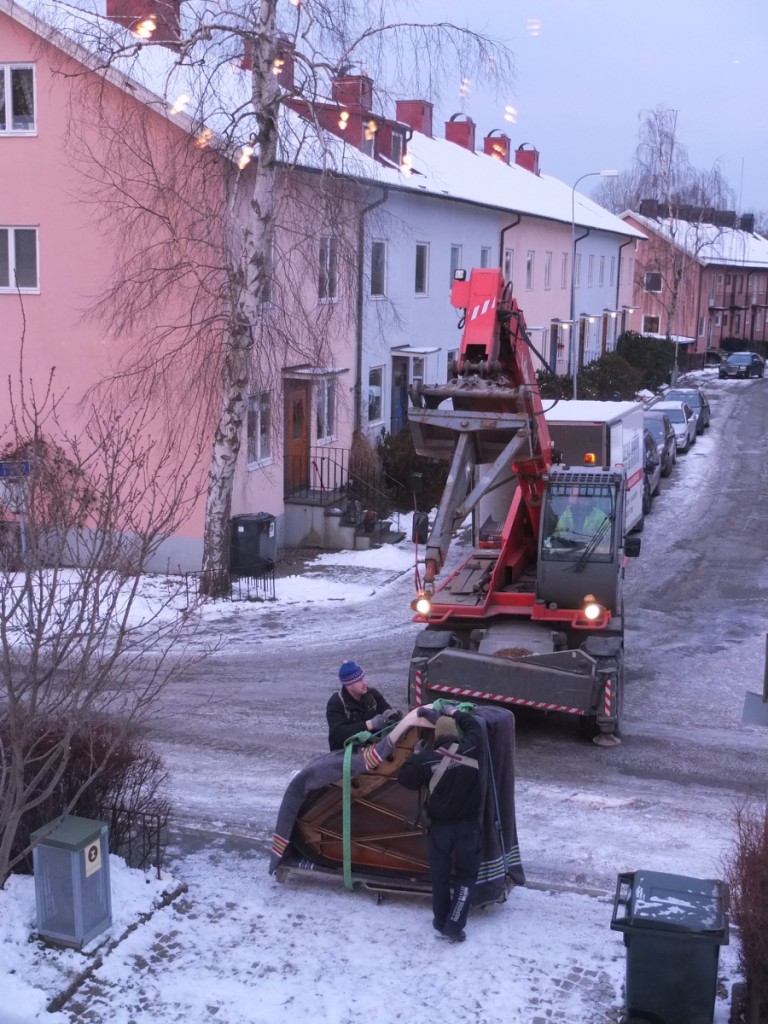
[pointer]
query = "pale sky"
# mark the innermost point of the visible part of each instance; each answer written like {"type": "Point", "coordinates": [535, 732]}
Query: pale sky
{"type": "Point", "coordinates": [587, 68]}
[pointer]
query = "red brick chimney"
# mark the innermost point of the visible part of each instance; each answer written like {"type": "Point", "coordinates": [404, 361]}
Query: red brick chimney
{"type": "Point", "coordinates": [417, 114]}
{"type": "Point", "coordinates": [497, 145]}
{"type": "Point", "coordinates": [353, 91]}
{"type": "Point", "coordinates": [137, 15]}
{"type": "Point", "coordinates": [527, 158]}
{"type": "Point", "coordinates": [461, 132]}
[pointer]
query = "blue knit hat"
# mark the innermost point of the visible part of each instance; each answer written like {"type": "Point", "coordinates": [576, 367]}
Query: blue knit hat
{"type": "Point", "coordinates": [350, 672]}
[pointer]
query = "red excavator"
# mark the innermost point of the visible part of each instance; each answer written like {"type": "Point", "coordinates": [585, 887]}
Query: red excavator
{"type": "Point", "coordinates": [534, 616]}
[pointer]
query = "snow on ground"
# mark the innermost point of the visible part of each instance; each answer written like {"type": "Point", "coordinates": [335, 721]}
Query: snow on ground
{"type": "Point", "coordinates": [239, 948]}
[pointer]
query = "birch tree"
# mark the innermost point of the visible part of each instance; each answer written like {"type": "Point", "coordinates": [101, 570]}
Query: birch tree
{"type": "Point", "coordinates": [251, 153]}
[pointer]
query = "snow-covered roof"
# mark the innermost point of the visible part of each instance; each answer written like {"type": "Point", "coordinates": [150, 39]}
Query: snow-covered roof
{"type": "Point", "coordinates": [588, 410]}
{"type": "Point", "coordinates": [709, 243]}
{"type": "Point", "coordinates": [218, 96]}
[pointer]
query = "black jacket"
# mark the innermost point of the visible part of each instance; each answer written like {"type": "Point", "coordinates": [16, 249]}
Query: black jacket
{"type": "Point", "coordinates": [457, 796]}
{"type": "Point", "coordinates": [347, 716]}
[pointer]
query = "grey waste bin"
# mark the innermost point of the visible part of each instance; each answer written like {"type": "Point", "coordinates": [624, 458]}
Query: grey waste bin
{"type": "Point", "coordinates": [673, 928]}
{"type": "Point", "coordinates": [420, 528]}
{"type": "Point", "coordinates": [252, 542]}
{"type": "Point", "coordinates": [72, 888]}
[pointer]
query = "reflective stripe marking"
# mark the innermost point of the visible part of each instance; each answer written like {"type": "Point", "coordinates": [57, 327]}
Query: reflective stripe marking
{"type": "Point", "coordinates": [479, 695]}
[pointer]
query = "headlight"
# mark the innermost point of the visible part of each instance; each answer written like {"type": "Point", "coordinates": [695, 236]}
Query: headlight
{"type": "Point", "coordinates": [592, 610]}
{"type": "Point", "coordinates": [422, 603]}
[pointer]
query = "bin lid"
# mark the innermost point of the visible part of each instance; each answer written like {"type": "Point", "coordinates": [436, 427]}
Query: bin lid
{"type": "Point", "coordinates": [677, 903]}
{"type": "Point", "coordinates": [253, 517]}
{"type": "Point", "coordinates": [72, 833]}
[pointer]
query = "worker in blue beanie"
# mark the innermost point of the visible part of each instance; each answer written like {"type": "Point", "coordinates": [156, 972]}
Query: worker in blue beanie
{"type": "Point", "coordinates": [356, 707]}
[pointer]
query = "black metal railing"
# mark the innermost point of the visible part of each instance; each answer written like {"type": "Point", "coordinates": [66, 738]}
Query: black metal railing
{"type": "Point", "coordinates": [320, 476]}
{"type": "Point", "coordinates": [139, 837]}
{"type": "Point", "coordinates": [250, 583]}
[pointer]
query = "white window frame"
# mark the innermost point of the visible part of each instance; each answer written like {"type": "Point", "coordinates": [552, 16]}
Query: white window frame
{"type": "Point", "coordinates": [328, 269]}
{"type": "Point", "coordinates": [378, 268]}
{"type": "Point", "coordinates": [485, 257]}
{"type": "Point", "coordinates": [564, 270]}
{"type": "Point", "coordinates": [577, 271]}
{"type": "Point", "coordinates": [530, 269]}
{"type": "Point", "coordinates": [456, 251]}
{"type": "Point", "coordinates": [325, 409]}
{"type": "Point", "coordinates": [398, 148]}
{"type": "Point", "coordinates": [652, 274]}
{"type": "Point", "coordinates": [10, 259]}
{"type": "Point", "coordinates": [612, 276]}
{"type": "Point", "coordinates": [373, 371]}
{"type": "Point", "coordinates": [652, 319]}
{"type": "Point", "coordinates": [547, 271]}
{"type": "Point", "coordinates": [601, 272]}
{"type": "Point", "coordinates": [509, 264]}
{"type": "Point", "coordinates": [421, 286]}
{"type": "Point", "coordinates": [590, 270]}
{"type": "Point", "coordinates": [6, 78]}
{"type": "Point", "coordinates": [259, 439]}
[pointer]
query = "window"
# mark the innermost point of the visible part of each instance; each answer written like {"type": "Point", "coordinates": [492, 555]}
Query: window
{"type": "Point", "coordinates": [422, 268]}
{"type": "Point", "coordinates": [509, 259]}
{"type": "Point", "coordinates": [17, 98]}
{"type": "Point", "coordinates": [485, 256]}
{"type": "Point", "coordinates": [326, 409]}
{"type": "Point", "coordinates": [529, 268]}
{"type": "Point", "coordinates": [601, 273]}
{"type": "Point", "coordinates": [547, 270]}
{"type": "Point", "coordinates": [739, 283]}
{"type": "Point", "coordinates": [378, 269]}
{"type": "Point", "coordinates": [455, 260]}
{"type": "Point", "coordinates": [328, 276]}
{"type": "Point", "coordinates": [590, 271]}
{"type": "Point", "coordinates": [717, 320]}
{"type": "Point", "coordinates": [564, 270]}
{"type": "Point", "coordinates": [650, 325]}
{"type": "Point", "coordinates": [453, 362]}
{"type": "Point", "coordinates": [652, 281]}
{"type": "Point", "coordinates": [417, 371]}
{"type": "Point", "coordinates": [701, 326]}
{"type": "Point", "coordinates": [375, 393]}
{"type": "Point", "coordinates": [577, 271]}
{"type": "Point", "coordinates": [736, 322]}
{"type": "Point", "coordinates": [397, 148]}
{"type": "Point", "coordinates": [613, 270]}
{"type": "Point", "coordinates": [18, 260]}
{"type": "Point", "coordinates": [259, 427]}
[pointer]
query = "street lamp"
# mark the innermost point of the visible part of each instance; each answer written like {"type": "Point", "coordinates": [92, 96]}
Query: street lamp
{"type": "Point", "coordinates": [575, 340]}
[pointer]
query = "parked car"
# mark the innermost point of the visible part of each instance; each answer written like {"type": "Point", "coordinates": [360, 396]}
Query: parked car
{"type": "Point", "coordinates": [742, 364]}
{"type": "Point", "coordinates": [664, 435]}
{"type": "Point", "coordinates": [651, 470]}
{"type": "Point", "coordinates": [683, 420]}
{"type": "Point", "coordinates": [696, 399]}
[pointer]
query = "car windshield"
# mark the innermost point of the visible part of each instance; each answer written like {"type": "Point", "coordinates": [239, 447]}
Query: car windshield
{"type": "Point", "coordinates": [691, 397]}
{"type": "Point", "coordinates": [739, 359]}
{"type": "Point", "coordinates": [656, 428]}
{"type": "Point", "coordinates": [675, 415]}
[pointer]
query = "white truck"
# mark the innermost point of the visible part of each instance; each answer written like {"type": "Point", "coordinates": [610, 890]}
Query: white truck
{"type": "Point", "coordinates": [610, 431]}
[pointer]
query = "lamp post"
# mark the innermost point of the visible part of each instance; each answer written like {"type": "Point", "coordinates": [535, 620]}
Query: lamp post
{"type": "Point", "coordinates": [575, 339]}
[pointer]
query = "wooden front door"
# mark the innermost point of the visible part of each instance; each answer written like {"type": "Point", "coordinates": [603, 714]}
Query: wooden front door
{"type": "Point", "coordinates": [297, 408]}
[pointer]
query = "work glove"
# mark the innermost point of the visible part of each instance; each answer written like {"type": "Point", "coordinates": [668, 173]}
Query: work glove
{"type": "Point", "coordinates": [429, 713]}
{"type": "Point", "coordinates": [378, 722]}
{"type": "Point", "coordinates": [392, 715]}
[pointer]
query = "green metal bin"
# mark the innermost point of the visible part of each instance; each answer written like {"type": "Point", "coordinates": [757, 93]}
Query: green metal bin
{"type": "Point", "coordinates": [673, 928]}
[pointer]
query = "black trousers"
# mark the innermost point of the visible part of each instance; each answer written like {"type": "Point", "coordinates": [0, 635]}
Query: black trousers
{"type": "Point", "coordinates": [453, 845]}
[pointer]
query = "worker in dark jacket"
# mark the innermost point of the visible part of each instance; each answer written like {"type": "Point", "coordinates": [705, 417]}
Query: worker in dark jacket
{"type": "Point", "coordinates": [450, 770]}
{"type": "Point", "coordinates": [355, 707]}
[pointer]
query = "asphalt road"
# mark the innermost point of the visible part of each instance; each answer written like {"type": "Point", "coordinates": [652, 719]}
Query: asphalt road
{"type": "Point", "coordinates": [237, 725]}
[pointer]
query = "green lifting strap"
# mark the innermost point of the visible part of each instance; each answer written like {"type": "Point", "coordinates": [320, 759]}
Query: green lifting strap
{"type": "Point", "coordinates": [440, 704]}
{"type": "Point", "coordinates": [346, 804]}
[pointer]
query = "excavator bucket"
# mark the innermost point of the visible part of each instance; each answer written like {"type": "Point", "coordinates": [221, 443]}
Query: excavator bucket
{"type": "Point", "coordinates": [386, 847]}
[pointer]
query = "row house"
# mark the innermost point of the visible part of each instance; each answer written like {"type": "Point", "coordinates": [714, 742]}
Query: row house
{"type": "Point", "coordinates": [701, 276]}
{"type": "Point", "coordinates": [462, 202]}
{"type": "Point", "coordinates": [411, 207]}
